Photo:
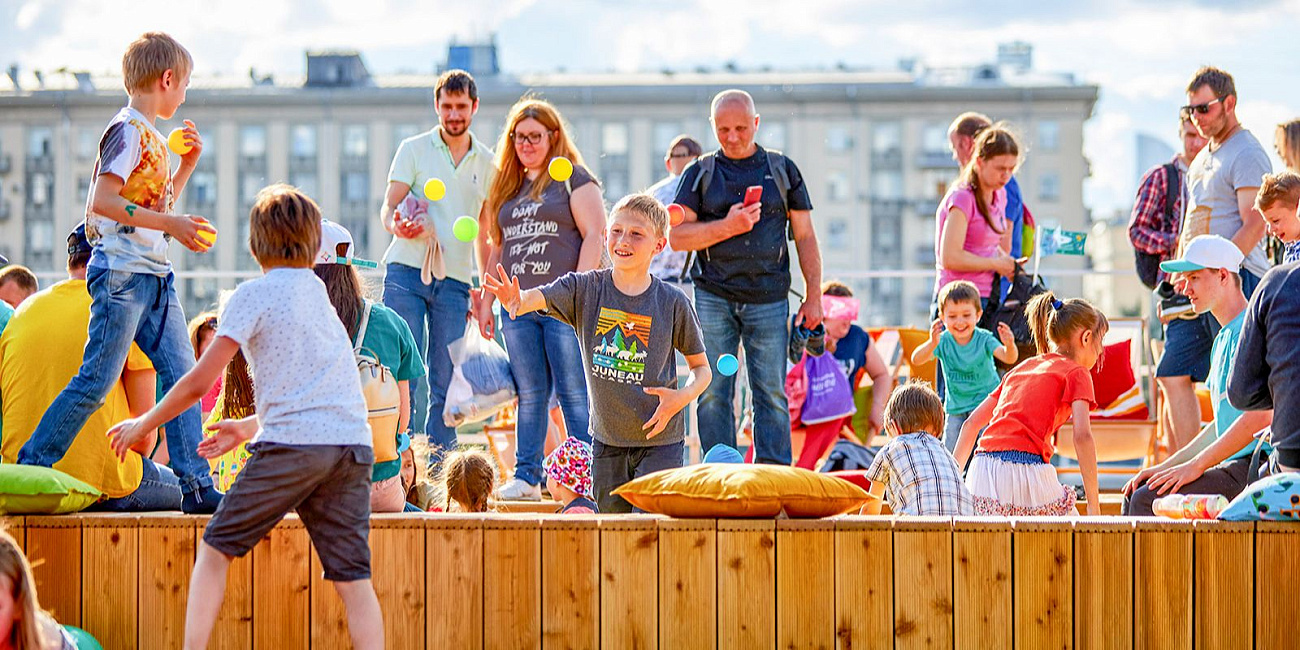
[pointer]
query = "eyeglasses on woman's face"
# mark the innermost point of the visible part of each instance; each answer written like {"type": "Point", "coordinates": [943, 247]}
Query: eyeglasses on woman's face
{"type": "Point", "coordinates": [534, 138]}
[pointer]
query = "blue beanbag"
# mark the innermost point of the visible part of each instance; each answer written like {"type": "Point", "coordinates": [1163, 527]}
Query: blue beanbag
{"type": "Point", "coordinates": [1276, 498]}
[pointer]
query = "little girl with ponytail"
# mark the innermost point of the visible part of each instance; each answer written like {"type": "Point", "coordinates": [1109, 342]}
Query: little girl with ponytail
{"type": "Point", "coordinates": [1011, 473]}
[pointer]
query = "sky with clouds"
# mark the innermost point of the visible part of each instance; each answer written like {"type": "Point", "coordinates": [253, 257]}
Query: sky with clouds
{"type": "Point", "coordinates": [1140, 52]}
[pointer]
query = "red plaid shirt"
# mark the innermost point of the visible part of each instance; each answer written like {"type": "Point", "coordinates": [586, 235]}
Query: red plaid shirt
{"type": "Point", "coordinates": [1149, 229]}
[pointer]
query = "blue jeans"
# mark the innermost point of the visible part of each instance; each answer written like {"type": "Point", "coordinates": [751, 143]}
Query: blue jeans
{"type": "Point", "coordinates": [436, 315]}
{"type": "Point", "coordinates": [761, 328]}
{"type": "Point", "coordinates": [126, 307]}
{"type": "Point", "coordinates": [159, 490]}
{"type": "Point", "coordinates": [544, 354]}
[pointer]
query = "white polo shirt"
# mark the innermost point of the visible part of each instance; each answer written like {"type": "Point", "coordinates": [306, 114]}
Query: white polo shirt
{"type": "Point", "coordinates": [425, 156]}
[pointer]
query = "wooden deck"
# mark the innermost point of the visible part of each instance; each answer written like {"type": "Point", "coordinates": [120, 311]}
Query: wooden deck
{"type": "Point", "coordinates": [528, 581]}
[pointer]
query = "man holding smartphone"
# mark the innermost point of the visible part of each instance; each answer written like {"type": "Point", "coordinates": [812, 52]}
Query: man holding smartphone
{"type": "Point", "coordinates": [742, 270]}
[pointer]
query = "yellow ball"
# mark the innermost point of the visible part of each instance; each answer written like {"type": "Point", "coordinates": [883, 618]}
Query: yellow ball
{"type": "Point", "coordinates": [176, 142]}
{"type": "Point", "coordinates": [560, 169]}
{"type": "Point", "coordinates": [210, 237]}
{"type": "Point", "coordinates": [435, 189]}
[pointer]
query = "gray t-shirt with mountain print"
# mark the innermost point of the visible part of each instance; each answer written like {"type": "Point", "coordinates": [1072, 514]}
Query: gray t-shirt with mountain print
{"type": "Point", "coordinates": [627, 345]}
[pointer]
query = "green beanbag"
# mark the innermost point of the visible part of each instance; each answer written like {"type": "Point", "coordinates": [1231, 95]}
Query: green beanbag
{"type": "Point", "coordinates": [32, 490]}
{"type": "Point", "coordinates": [1273, 498]}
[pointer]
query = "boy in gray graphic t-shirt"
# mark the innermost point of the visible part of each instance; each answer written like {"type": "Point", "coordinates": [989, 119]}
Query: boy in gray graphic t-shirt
{"type": "Point", "coordinates": [629, 324]}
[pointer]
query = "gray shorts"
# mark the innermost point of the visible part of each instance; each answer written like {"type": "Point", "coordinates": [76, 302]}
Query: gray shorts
{"type": "Point", "coordinates": [329, 487]}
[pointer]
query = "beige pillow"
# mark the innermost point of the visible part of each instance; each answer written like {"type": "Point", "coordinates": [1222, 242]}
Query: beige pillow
{"type": "Point", "coordinates": [734, 491]}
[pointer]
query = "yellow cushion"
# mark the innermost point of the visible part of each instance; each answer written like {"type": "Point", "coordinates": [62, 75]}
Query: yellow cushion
{"type": "Point", "coordinates": [742, 491]}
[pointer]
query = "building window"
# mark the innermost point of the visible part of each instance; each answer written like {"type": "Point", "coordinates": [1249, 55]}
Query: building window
{"type": "Point", "coordinates": [305, 181]}
{"type": "Point", "coordinates": [1049, 136]}
{"type": "Point", "coordinates": [40, 142]}
{"type": "Point", "coordinates": [252, 141]}
{"type": "Point", "coordinates": [886, 138]}
{"type": "Point", "coordinates": [1049, 187]}
{"type": "Point", "coordinates": [83, 187]}
{"type": "Point", "coordinates": [356, 140]}
{"type": "Point", "coordinates": [934, 139]}
{"type": "Point", "coordinates": [87, 143]}
{"type": "Point", "coordinates": [837, 186]}
{"type": "Point", "coordinates": [614, 184]}
{"type": "Point", "coordinates": [839, 139]}
{"type": "Point", "coordinates": [40, 237]}
{"type": "Point", "coordinates": [404, 131]}
{"type": "Point", "coordinates": [662, 134]}
{"type": "Point", "coordinates": [202, 189]}
{"type": "Point", "coordinates": [772, 135]}
{"type": "Point", "coordinates": [42, 186]}
{"type": "Point", "coordinates": [356, 187]}
{"type": "Point", "coordinates": [302, 141]}
{"type": "Point", "coordinates": [887, 185]}
{"type": "Point", "coordinates": [613, 139]}
{"type": "Point", "coordinates": [837, 234]}
{"type": "Point", "coordinates": [249, 186]}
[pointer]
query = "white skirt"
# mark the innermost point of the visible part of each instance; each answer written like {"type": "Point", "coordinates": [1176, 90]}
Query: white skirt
{"type": "Point", "coordinates": [1002, 488]}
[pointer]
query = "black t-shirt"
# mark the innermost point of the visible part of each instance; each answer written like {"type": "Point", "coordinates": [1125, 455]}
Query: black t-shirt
{"type": "Point", "coordinates": [753, 267]}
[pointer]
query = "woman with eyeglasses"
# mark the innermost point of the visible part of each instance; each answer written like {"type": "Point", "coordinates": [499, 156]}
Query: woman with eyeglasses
{"type": "Point", "coordinates": [539, 229]}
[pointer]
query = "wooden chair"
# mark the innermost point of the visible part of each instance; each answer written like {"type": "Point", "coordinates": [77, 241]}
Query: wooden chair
{"type": "Point", "coordinates": [1123, 440]}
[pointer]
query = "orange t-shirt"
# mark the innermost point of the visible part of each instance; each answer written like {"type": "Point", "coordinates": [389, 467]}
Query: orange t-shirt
{"type": "Point", "coordinates": [1033, 401]}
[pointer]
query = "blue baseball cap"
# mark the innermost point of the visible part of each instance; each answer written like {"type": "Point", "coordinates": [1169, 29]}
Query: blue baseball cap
{"type": "Point", "coordinates": [403, 443]}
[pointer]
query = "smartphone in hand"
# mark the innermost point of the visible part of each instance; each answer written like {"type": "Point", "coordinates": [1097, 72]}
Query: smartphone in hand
{"type": "Point", "coordinates": [753, 194]}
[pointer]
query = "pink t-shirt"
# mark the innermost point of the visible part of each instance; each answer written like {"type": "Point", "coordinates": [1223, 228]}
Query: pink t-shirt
{"type": "Point", "coordinates": [980, 238]}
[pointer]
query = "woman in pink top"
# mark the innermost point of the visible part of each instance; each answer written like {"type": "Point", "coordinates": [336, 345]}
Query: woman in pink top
{"type": "Point", "coordinates": [973, 232]}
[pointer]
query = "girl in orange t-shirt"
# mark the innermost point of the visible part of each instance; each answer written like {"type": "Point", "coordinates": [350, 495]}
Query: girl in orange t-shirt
{"type": "Point", "coordinates": [1010, 474]}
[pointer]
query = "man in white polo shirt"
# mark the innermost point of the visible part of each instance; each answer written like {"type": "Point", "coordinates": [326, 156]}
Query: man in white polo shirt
{"type": "Point", "coordinates": [1218, 460]}
{"type": "Point", "coordinates": [428, 269]}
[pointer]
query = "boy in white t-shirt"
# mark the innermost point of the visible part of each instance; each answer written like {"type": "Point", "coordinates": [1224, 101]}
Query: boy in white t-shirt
{"type": "Point", "coordinates": [311, 444]}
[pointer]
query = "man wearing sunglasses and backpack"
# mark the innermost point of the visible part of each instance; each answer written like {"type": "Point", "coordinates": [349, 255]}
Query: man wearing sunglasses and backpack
{"type": "Point", "coordinates": [1222, 182]}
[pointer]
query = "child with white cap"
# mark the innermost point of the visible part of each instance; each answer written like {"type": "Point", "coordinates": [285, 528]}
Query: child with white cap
{"type": "Point", "coordinates": [378, 332]}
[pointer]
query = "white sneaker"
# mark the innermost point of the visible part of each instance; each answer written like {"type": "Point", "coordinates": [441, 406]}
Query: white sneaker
{"type": "Point", "coordinates": [517, 489]}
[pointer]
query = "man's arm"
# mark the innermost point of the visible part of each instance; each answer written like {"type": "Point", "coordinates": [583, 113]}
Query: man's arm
{"type": "Point", "coordinates": [810, 263]}
{"type": "Point", "coordinates": [1248, 379]}
{"type": "Point", "coordinates": [693, 234]}
{"type": "Point", "coordinates": [393, 197]}
{"type": "Point", "coordinates": [1252, 222]}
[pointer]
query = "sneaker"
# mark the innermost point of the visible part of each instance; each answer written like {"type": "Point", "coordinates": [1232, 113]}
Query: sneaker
{"type": "Point", "coordinates": [517, 489]}
{"type": "Point", "coordinates": [816, 340]}
{"type": "Point", "coordinates": [798, 342]}
{"type": "Point", "coordinates": [201, 502]}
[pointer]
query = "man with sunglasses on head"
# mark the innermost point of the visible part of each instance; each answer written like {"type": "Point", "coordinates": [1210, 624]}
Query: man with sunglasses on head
{"type": "Point", "coordinates": [1221, 185]}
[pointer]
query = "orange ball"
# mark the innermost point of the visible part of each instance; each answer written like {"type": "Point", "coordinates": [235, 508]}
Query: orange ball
{"type": "Point", "coordinates": [676, 215]}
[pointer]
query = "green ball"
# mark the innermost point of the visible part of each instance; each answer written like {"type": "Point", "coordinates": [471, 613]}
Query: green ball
{"type": "Point", "coordinates": [82, 638]}
{"type": "Point", "coordinates": [465, 228]}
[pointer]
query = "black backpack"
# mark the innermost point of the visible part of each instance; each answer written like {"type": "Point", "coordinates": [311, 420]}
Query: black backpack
{"type": "Point", "coordinates": [1012, 312]}
{"type": "Point", "coordinates": [780, 176]}
{"type": "Point", "coordinates": [1148, 265]}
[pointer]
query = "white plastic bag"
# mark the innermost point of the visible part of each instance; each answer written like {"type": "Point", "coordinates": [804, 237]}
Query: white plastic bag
{"type": "Point", "coordinates": [481, 381]}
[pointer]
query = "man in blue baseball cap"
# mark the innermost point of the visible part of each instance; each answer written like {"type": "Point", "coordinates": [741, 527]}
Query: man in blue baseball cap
{"type": "Point", "coordinates": [1218, 459]}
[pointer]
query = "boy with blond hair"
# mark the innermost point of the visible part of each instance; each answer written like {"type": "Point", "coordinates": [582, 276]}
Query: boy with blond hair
{"type": "Point", "coordinates": [129, 223]}
{"type": "Point", "coordinates": [311, 443]}
{"type": "Point", "coordinates": [1279, 201]}
{"type": "Point", "coordinates": [629, 323]}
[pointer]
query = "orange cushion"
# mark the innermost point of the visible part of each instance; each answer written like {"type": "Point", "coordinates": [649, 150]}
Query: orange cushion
{"type": "Point", "coordinates": [742, 491]}
{"type": "Point", "coordinates": [1117, 393]}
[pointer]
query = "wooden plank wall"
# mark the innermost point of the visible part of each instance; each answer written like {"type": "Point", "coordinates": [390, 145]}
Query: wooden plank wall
{"type": "Point", "coordinates": [530, 581]}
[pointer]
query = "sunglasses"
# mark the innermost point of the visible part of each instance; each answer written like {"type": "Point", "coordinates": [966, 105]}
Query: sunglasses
{"type": "Point", "coordinates": [1199, 109]}
{"type": "Point", "coordinates": [530, 138]}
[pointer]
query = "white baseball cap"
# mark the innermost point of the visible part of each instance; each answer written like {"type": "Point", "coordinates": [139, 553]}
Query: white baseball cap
{"type": "Point", "coordinates": [1206, 252]}
{"type": "Point", "coordinates": [336, 246]}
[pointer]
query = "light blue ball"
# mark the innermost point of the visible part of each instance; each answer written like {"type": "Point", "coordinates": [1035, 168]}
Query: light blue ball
{"type": "Point", "coordinates": [728, 364]}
